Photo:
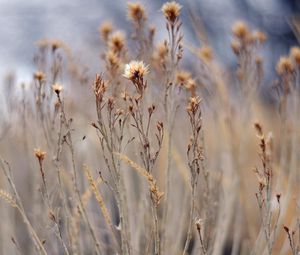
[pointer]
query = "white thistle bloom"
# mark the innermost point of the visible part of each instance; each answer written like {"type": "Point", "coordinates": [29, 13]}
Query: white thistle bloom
{"type": "Point", "coordinates": [135, 70]}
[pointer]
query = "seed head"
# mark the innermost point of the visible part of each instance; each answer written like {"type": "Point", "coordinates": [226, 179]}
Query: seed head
{"type": "Point", "coordinates": [105, 30]}
{"type": "Point", "coordinates": [135, 70]}
{"type": "Point", "coordinates": [171, 10]}
{"type": "Point", "coordinates": [117, 41]}
{"type": "Point", "coordinates": [55, 44]}
{"type": "Point", "coordinates": [100, 86]}
{"type": "Point", "coordinates": [240, 30]}
{"type": "Point", "coordinates": [259, 36]}
{"type": "Point", "coordinates": [39, 75]}
{"type": "Point", "coordinates": [136, 12]}
{"type": "Point", "coordinates": [57, 88]}
{"type": "Point", "coordinates": [182, 77]}
{"type": "Point", "coordinates": [206, 53]}
{"type": "Point", "coordinates": [193, 105]}
{"type": "Point", "coordinates": [284, 66]}
{"type": "Point", "coordinates": [39, 154]}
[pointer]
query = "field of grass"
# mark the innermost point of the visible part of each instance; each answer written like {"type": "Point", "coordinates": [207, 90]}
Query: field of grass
{"type": "Point", "coordinates": [157, 153]}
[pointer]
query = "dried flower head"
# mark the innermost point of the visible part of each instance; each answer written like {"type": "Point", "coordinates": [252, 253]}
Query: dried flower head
{"type": "Point", "coordinates": [39, 75]}
{"type": "Point", "coordinates": [182, 77]}
{"type": "Point", "coordinates": [57, 88]}
{"type": "Point", "coordinates": [284, 66]}
{"type": "Point", "coordinates": [295, 54]}
{"type": "Point", "coordinates": [205, 53]}
{"type": "Point", "coordinates": [240, 30]}
{"type": "Point", "coordinates": [105, 30]}
{"type": "Point", "coordinates": [199, 223]}
{"type": "Point", "coordinates": [193, 105]}
{"type": "Point", "coordinates": [39, 154]}
{"type": "Point", "coordinates": [135, 70]}
{"type": "Point", "coordinates": [171, 10]}
{"type": "Point", "coordinates": [117, 41]}
{"type": "Point", "coordinates": [100, 86]}
{"type": "Point", "coordinates": [259, 36]}
{"type": "Point", "coordinates": [55, 44]}
{"type": "Point", "coordinates": [136, 12]}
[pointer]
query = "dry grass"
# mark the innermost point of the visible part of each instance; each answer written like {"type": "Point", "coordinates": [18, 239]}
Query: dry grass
{"type": "Point", "coordinates": [207, 179]}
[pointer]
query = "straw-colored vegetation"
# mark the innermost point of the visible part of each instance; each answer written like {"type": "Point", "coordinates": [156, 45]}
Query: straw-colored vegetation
{"type": "Point", "coordinates": [156, 154]}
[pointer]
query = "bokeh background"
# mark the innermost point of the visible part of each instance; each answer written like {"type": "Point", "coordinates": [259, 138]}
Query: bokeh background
{"type": "Point", "coordinates": [76, 22]}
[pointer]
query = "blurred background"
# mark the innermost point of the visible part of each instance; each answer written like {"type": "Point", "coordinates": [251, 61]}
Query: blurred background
{"type": "Point", "coordinates": [76, 22]}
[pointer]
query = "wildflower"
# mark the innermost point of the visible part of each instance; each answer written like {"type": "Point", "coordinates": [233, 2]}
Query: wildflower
{"type": "Point", "coordinates": [284, 66]}
{"type": "Point", "coordinates": [136, 12]}
{"type": "Point", "coordinates": [57, 88]}
{"type": "Point", "coordinates": [205, 53]}
{"type": "Point", "coordinates": [259, 36]}
{"type": "Point", "coordinates": [39, 75]}
{"type": "Point", "coordinates": [182, 77]}
{"type": "Point", "coordinates": [100, 86]}
{"type": "Point", "coordinates": [240, 30]}
{"type": "Point", "coordinates": [171, 10]}
{"type": "Point", "coordinates": [105, 30]}
{"type": "Point", "coordinates": [55, 44]}
{"type": "Point", "coordinates": [39, 154]}
{"type": "Point", "coordinates": [135, 70]}
{"type": "Point", "coordinates": [193, 105]}
{"type": "Point", "coordinates": [117, 41]}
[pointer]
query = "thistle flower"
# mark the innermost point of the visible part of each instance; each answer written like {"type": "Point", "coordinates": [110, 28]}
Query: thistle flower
{"type": "Point", "coordinates": [193, 105]}
{"type": "Point", "coordinates": [105, 30]}
{"type": "Point", "coordinates": [240, 30]}
{"type": "Point", "coordinates": [135, 70]}
{"type": "Point", "coordinates": [182, 77]}
{"type": "Point", "coordinates": [205, 53]}
{"type": "Point", "coordinates": [39, 154]}
{"type": "Point", "coordinates": [55, 44]}
{"type": "Point", "coordinates": [284, 66]}
{"type": "Point", "coordinates": [57, 88]}
{"type": "Point", "coordinates": [171, 10]}
{"type": "Point", "coordinates": [100, 87]}
{"type": "Point", "coordinates": [117, 41]}
{"type": "Point", "coordinates": [259, 36]}
{"type": "Point", "coordinates": [39, 75]}
{"type": "Point", "coordinates": [136, 12]}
